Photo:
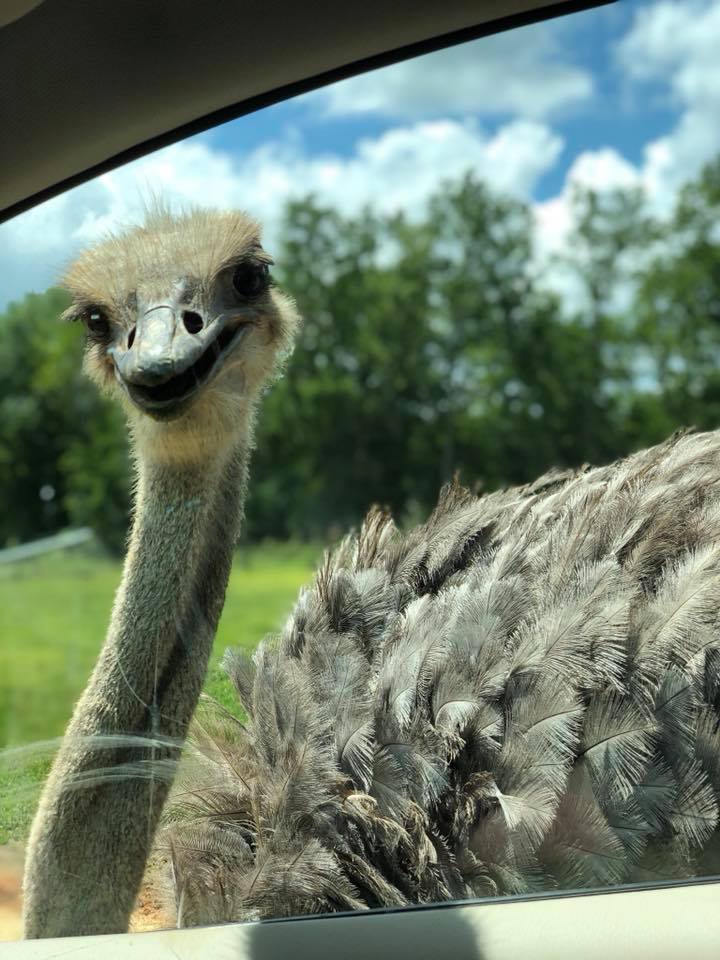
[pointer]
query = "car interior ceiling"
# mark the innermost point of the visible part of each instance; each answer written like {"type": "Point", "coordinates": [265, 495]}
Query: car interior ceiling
{"type": "Point", "coordinates": [112, 81]}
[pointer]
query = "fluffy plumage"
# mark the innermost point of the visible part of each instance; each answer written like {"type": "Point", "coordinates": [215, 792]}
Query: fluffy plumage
{"type": "Point", "coordinates": [523, 693]}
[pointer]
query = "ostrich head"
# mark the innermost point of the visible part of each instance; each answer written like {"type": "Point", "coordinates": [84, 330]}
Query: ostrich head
{"type": "Point", "coordinates": [183, 326]}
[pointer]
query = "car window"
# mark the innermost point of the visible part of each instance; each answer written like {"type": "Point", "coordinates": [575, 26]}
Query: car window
{"type": "Point", "coordinates": [359, 524]}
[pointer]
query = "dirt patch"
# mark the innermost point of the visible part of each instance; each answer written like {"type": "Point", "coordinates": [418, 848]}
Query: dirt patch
{"type": "Point", "coordinates": [11, 868]}
{"type": "Point", "coordinates": [149, 914]}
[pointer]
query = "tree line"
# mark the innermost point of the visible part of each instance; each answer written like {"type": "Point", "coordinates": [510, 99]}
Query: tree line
{"type": "Point", "coordinates": [430, 346]}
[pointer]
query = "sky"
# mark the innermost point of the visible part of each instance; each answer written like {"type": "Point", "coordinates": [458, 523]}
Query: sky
{"type": "Point", "coordinates": [623, 95]}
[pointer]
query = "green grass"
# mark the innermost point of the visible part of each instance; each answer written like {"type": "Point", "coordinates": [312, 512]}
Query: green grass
{"type": "Point", "coordinates": [53, 617]}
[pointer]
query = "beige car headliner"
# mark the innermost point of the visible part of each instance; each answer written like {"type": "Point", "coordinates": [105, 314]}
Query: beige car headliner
{"type": "Point", "coordinates": [88, 84]}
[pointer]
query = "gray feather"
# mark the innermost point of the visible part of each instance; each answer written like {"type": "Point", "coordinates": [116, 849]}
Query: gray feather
{"type": "Point", "coordinates": [522, 693]}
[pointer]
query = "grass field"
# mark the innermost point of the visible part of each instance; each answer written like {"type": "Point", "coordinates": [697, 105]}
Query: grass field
{"type": "Point", "coordinates": [53, 617]}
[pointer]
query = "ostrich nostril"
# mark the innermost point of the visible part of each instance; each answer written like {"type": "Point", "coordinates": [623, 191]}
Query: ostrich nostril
{"type": "Point", "coordinates": [131, 338]}
{"type": "Point", "coordinates": [193, 321]}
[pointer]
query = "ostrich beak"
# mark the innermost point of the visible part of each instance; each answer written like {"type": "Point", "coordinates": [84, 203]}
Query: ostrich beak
{"type": "Point", "coordinates": [169, 355]}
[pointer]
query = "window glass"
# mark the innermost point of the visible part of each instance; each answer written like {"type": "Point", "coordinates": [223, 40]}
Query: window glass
{"type": "Point", "coordinates": [506, 257]}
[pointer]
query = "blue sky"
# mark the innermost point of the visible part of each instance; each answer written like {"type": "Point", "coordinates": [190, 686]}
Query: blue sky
{"type": "Point", "coordinates": [626, 94]}
{"type": "Point", "coordinates": [586, 41]}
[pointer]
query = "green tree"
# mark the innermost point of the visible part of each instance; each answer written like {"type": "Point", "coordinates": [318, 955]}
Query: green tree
{"type": "Point", "coordinates": [56, 434]}
{"type": "Point", "coordinates": [612, 234]}
{"type": "Point", "coordinates": [430, 345]}
{"type": "Point", "coordinates": [677, 311]}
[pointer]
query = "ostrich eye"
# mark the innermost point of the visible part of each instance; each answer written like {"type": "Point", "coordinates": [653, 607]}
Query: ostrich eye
{"type": "Point", "coordinates": [97, 322]}
{"type": "Point", "coordinates": [250, 279]}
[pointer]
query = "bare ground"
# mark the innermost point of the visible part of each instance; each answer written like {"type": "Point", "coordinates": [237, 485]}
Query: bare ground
{"type": "Point", "coordinates": [149, 913]}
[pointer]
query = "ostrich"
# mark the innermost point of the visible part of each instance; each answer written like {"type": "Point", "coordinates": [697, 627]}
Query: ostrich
{"type": "Point", "coordinates": [522, 693]}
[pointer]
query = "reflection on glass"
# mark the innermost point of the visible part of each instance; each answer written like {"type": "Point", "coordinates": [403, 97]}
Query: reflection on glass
{"type": "Point", "coordinates": [521, 693]}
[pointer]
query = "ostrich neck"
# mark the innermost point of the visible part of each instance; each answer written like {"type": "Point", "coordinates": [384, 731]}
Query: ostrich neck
{"type": "Point", "coordinates": [102, 802]}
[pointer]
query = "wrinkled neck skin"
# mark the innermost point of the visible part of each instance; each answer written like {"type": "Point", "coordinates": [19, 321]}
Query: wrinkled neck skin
{"type": "Point", "coordinates": [102, 802]}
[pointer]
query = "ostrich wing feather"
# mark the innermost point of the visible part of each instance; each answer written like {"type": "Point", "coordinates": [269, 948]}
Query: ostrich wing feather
{"type": "Point", "coordinates": [522, 693]}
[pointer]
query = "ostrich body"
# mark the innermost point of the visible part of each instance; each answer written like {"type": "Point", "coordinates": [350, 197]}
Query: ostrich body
{"type": "Point", "coordinates": [522, 693]}
{"type": "Point", "coordinates": [519, 695]}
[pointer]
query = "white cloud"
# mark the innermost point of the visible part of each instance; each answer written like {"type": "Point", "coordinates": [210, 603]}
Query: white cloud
{"type": "Point", "coordinates": [602, 170]}
{"type": "Point", "coordinates": [522, 73]}
{"type": "Point", "coordinates": [599, 170]}
{"type": "Point", "coordinates": [395, 171]}
{"type": "Point", "coordinates": [674, 45]}
{"type": "Point", "coordinates": [671, 47]}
